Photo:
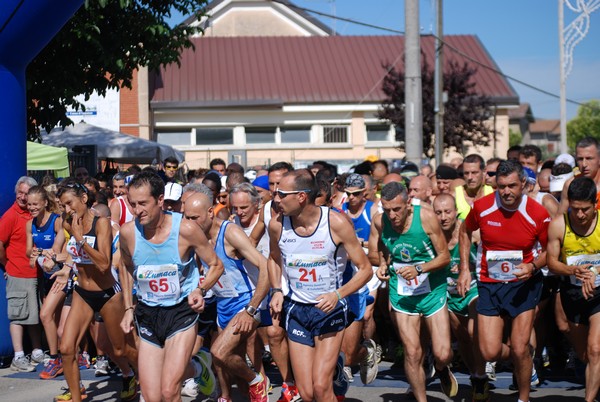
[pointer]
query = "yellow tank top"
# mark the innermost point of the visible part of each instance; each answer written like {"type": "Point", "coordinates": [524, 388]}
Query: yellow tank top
{"type": "Point", "coordinates": [462, 206]}
{"type": "Point", "coordinates": [574, 244]}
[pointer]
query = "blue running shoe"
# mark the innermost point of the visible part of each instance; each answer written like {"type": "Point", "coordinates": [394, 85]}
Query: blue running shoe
{"type": "Point", "coordinates": [340, 381]}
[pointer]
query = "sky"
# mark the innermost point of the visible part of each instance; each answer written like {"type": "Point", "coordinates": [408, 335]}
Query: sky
{"type": "Point", "coordinates": [520, 35]}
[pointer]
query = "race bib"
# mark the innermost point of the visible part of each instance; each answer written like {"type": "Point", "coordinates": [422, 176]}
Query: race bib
{"type": "Point", "coordinates": [593, 259]}
{"type": "Point", "coordinates": [158, 283]}
{"type": "Point", "coordinates": [224, 287]}
{"type": "Point", "coordinates": [308, 273]}
{"type": "Point", "coordinates": [413, 287]}
{"type": "Point", "coordinates": [501, 264]}
{"type": "Point", "coordinates": [78, 253]}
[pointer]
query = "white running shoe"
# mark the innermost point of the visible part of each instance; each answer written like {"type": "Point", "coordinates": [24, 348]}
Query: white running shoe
{"type": "Point", "coordinates": [368, 366]}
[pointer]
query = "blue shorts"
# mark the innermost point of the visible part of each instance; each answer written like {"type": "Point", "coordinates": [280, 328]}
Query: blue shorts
{"type": "Point", "coordinates": [304, 322]}
{"type": "Point", "coordinates": [228, 307]}
{"type": "Point", "coordinates": [509, 298]}
{"type": "Point", "coordinates": [208, 318]}
{"type": "Point", "coordinates": [357, 304]}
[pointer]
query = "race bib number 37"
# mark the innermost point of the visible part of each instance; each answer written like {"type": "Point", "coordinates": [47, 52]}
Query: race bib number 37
{"type": "Point", "coordinates": [158, 283]}
{"type": "Point", "coordinates": [501, 264]}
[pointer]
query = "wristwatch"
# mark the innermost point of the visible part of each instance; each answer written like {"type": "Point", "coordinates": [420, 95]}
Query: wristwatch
{"type": "Point", "coordinates": [202, 291]}
{"type": "Point", "coordinates": [251, 310]}
{"type": "Point", "coordinates": [419, 269]}
{"type": "Point", "coordinates": [81, 243]}
{"type": "Point", "coordinates": [275, 290]}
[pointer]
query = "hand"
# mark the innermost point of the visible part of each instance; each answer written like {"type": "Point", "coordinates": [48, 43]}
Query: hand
{"type": "Point", "coordinates": [327, 302]}
{"type": "Point", "coordinates": [61, 278]}
{"type": "Point", "coordinates": [127, 321]}
{"type": "Point", "coordinates": [35, 253]}
{"type": "Point", "coordinates": [276, 304]}
{"type": "Point", "coordinates": [408, 272]}
{"type": "Point", "coordinates": [243, 323]}
{"type": "Point", "coordinates": [582, 272]}
{"type": "Point", "coordinates": [77, 227]}
{"type": "Point", "coordinates": [463, 283]}
{"type": "Point", "coordinates": [382, 273]}
{"type": "Point", "coordinates": [524, 271]}
{"type": "Point", "coordinates": [196, 301]}
{"type": "Point", "coordinates": [588, 287]}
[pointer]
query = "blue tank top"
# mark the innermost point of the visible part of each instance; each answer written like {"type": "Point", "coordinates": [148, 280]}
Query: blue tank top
{"type": "Point", "coordinates": [43, 237]}
{"type": "Point", "coordinates": [161, 278]}
{"type": "Point", "coordinates": [362, 223]}
{"type": "Point", "coordinates": [235, 280]}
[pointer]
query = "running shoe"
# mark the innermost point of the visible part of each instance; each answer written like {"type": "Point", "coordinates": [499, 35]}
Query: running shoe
{"type": "Point", "coordinates": [378, 353]}
{"type": "Point", "coordinates": [448, 382]}
{"type": "Point", "coordinates": [267, 359]}
{"type": "Point", "coordinates": [130, 389]}
{"type": "Point", "coordinates": [206, 381]}
{"type": "Point", "coordinates": [52, 369]}
{"type": "Point", "coordinates": [258, 391]}
{"type": "Point", "coordinates": [102, 366]}
{"type": "Point", "coordinates": [190, 388]}
{"type": "Point", "coordinates": [289, 393]}
{"type": "Point", "coordinates": [340, 381]}
{"type": "Point", "coordinates": [545, 358]}
{"type": "Point", "coordinates": [348, 373]}
{"type": "Point", "coordinates": [429, 365]}
{"type": "Point", "coordinates": [39, 358]}
{"type": "Point", "coordinates": [535, 380]}
{"type": "Point", "coordinates": [480, 389]}
{"type": "Point", "coordinates": [368, 365]}
{"type": "Point", "coordinates": [83, 360]}
{"type": "Point", "coordinates": [490, 370]}
{"type": "Point", "coordinates": [22, 363]}
{"type": "Point", "coordinates": [66, 395]}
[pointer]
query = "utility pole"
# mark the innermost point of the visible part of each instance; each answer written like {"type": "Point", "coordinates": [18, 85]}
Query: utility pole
{"type": "Point", "coordinates": [439, 85]}
{"type": "Point", "coordinates": [563, 78]}
{"type": "Point", "coordinates": [413, 103]}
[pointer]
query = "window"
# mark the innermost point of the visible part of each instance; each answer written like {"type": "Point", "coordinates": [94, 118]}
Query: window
{"type": "Point", "coordinates": [214, 136]}
{"type": "Point", "coordinates": [295, 134]}
{"type": "Point", "coordinates": [260, 135]}
{"type": "Point", "coordinates": [378, 132]}
{"type": "Point", "coordinates": [179, 137]}
{"type": "Point", "coordinates": [335, 134]}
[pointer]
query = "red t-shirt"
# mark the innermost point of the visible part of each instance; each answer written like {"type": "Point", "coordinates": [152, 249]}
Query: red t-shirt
{"type": "Point", "coordinates": [13, 234]}
{"type": "Point", "coordinates": [504, 230]}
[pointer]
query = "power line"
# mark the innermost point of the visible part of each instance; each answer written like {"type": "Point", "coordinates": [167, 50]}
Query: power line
{"type": "Point", "coordinates": [385, 29]}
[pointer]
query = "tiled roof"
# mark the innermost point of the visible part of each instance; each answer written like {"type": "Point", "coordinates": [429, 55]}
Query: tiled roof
{"type": "Point", "coordinates": [545, 126]}
{"type": "Point", "coordinates": [304, 70]}
{"type": "Point", "coordinates": [521, 112]}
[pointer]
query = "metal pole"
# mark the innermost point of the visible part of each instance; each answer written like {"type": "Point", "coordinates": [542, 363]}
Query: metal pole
{"type": "Point", "coordinates": [413, 110]}
{"type": "Point", "coordinates": [563, 78]}
{"type": "Point", "coordinates": [439, 86]}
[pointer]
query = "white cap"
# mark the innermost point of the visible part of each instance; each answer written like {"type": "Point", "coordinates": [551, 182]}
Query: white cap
{"type": "Point", "coordinates": [250, 175]}
{"type": "Point", "coordinates": [558, 182]}
{"type": "Point", "coordinates": [173, 191]}
{"type": "Point", "coordinates": [565, 158]}
{"type": "Point", "coordinates": [223, 184]}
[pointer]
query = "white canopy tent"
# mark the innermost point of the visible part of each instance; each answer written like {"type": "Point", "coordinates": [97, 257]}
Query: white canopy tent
{"type": "Point", "coordinates": [111, 145]}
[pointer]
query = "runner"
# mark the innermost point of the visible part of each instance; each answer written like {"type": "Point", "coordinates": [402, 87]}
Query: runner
{"type": "Point", "coordinates": [304, 243]}
{"type": "Point", "coordinates": [157, 249]}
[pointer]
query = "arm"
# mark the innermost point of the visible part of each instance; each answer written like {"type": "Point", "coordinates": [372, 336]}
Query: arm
{"type": "Point", "coordinates": [555, 239]}
{"type": "Point", "coordinates": [564, 198]}
{"type": "Point", "coordinates": [551, 205]}
{"type": "Point", "coordinates": [31, 253]}
{"type": "Point", "coordinates": [465, 236]}
{"type": "Point", "coordinates": [2, 255]}
{"type": "Point", "coordinates": [379, 255]}
{"type": "Point", "coordinates": [115, 211]}
{"type": "Point", "coordinates": [259, 228]}
{"type": "Point", "coordinates": [127, 236]}
{"type": "Point", "coordinates": [274, 265]}
{"type": "Point", "coordinates": [343, 233]}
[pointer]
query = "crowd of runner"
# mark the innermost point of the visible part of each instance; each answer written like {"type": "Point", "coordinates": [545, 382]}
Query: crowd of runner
{"type": "Point", "coordinates": [192, 284]}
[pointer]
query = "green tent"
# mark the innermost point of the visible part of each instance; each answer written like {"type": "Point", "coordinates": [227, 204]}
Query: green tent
{"type": "Point", "coordinates": [45, 157]}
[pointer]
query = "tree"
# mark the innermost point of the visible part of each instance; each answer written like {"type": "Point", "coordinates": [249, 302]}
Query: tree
{"type": "Point", "coordinates": [585, 124]}
{"type": "Point", "coordinates": [465, 111]}
{"type": "Point", "coordinates": [514, 137]}
{"type": "Point", "coordinates": [99, 49]}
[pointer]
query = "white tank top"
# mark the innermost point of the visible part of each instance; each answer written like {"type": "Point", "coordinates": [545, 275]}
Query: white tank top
{"type": "Point", "coordinates": [310, 263]}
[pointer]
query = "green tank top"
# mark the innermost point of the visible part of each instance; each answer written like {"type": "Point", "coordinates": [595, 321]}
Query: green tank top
{"type": "Point", "coordinates": [414, 246]}
{"type": "Point", "coordinates": [455, 260]}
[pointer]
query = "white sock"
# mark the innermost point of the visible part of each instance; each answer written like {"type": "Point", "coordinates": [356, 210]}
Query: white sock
{"type": "Point", "coordinates": [268, 348]}
{"type": "Point", "coordinates": [256, 380]}
{"type": "Point", "coordinates": [19, 354]}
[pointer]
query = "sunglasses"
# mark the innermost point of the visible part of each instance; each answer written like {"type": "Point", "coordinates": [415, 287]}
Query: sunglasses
{"type": "Point", "coordinates": [171, 167]}
{"type": "Point", "coordinates": [354, 193]}
{"type": "Point", "coordinates": [77, 186]}
{"type": "Point", "coordinates": [282, 194]}
{"type": "Point", "coordinates": [491, 174]}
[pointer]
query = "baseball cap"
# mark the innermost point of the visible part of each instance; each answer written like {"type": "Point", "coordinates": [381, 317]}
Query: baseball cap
{"type": "Point", "coordinates": [262, 182]}
{"type": "Point", "coordinates": [565, 158]}
{"type": "Point", "coordinates": [531, 178]}
{"type": "Point", "coordinates": [173, 191]}
{"type": "Point", "coordinates": [355, 180]}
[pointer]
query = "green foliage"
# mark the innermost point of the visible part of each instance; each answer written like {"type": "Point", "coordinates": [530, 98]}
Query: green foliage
{"type": "Point", "coordinates": [99, 49]}
{"type": "Point", "coordinates": [585, 124]}
{"type": "Point", "coordinates": [514, 138]}
{"type": "Point", "coordinates": [465, 111]}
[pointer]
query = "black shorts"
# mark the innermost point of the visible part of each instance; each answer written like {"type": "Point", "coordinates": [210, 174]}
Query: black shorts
{"type": "Point", "coordinates": [207, 321]}
{"type": "Point", "coordinates": [509, 298]}
{"type": "Point", "coordinates": [550, 287]}
{"type": "Point", "coordinates": [157, 324]}
{"type": "Point", "coordinates": [577, 309]}
{"type": "Point", "coordinates": [97, 299]}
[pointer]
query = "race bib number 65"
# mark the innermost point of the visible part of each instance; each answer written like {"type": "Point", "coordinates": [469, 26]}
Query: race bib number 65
{"type": "Point", "coordinates": [158, 283]}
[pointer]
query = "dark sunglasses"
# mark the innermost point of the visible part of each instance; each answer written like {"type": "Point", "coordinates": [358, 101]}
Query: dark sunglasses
{"type": "Point", "coordinates": [354, 193]}
{"type": "Point", "coordinates": [491, 174]}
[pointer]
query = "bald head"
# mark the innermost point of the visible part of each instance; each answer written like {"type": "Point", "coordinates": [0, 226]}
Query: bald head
{"type": "Point", "coordinates": [420, 188]}
{"type": "Point", "coordinates": [101, 211]}
{"type": "Point", "coordinates": [392, 177]}
{"type": "Point", "coordinates": [198, 208]}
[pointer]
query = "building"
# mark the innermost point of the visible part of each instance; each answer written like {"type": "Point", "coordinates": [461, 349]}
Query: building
{"type": "Point", "coordinates": [268, 82]}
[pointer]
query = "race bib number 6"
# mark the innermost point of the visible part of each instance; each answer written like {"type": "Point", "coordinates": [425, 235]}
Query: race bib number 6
{"type": "Point", "coordinates": [501, 264]}
{"type": "Point", "coordinates": [158, 283]}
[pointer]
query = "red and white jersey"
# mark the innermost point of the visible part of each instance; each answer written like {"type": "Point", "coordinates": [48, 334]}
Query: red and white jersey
{"type": "Point", "coordinates": [504, 231]}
